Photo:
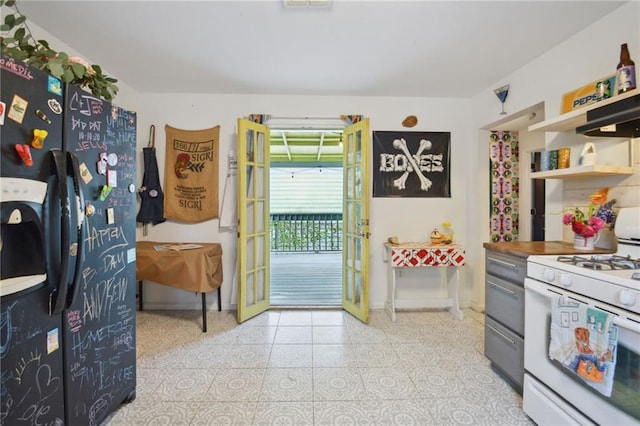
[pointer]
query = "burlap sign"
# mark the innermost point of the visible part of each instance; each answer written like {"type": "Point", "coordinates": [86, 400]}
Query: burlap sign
{"type": "Point", "coordinates": [191, 174]}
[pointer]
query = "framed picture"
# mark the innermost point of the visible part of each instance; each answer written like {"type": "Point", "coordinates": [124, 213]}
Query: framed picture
{"type": "Point", "coordinates": [411, 164]}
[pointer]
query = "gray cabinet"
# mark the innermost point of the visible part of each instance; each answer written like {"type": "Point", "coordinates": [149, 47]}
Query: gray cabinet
{"type": "Point", "coordinates": [504, 309]}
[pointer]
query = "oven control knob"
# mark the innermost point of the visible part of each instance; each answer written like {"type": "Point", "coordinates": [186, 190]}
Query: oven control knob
{"type": "Point", "coordinates": [565, 280]}
{"type": "Point", "coordinates": [549, 275]}
{"type": "Point", "coordinates": [627, 297]}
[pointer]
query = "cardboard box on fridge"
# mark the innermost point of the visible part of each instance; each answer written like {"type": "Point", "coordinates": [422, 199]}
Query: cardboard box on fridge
{"type": "Point", "coordinates": [588, 94]}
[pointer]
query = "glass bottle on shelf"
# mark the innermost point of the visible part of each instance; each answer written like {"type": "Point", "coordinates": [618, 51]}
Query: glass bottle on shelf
{"type": "Point", "coordinates": [626, 71]}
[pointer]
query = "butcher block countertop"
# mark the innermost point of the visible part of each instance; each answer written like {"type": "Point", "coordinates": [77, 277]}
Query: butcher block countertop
{"type": "Point", "coordinates": [527, 248]}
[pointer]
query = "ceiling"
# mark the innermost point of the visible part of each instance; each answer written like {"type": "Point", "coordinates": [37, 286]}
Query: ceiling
{"type": "Point", "coordinates": [350, 48]}
{"type": "Point", "coordinates": [305, 146]}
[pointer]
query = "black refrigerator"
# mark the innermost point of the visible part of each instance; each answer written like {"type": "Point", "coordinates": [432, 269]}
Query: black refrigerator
{"type": "Point", "coordinates": [67, 287]}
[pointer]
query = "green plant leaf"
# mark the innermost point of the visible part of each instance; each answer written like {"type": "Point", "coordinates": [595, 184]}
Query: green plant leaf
{"type": "Point", "coordinates": [67, 75]}
{"type": "Point", "coordinates": [23, 47]}
{"type": "Point", "coordinates": [78, 70]}
{"type": "Point", "coordinates": [10, 20]}
{"type": "Point", "coordinates": [56, 69]}
{"type": "Point", "coordinates": [19, 33]}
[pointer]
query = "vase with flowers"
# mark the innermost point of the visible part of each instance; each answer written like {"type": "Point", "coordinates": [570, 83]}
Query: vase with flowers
{"type": "Point", "coordinates": [586, 226]}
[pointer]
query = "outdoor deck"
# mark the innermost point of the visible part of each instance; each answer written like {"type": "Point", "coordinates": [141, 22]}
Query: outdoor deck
{"type": "Point", "coordinates": [306, 279]}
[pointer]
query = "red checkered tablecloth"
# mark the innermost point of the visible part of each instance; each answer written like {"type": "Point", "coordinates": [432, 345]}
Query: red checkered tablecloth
{"type": "Point", "coordinates": [409, 255]}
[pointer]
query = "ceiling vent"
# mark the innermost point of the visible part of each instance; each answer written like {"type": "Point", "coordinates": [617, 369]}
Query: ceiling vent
{"type": "Point", "coordinates": [307, 3]}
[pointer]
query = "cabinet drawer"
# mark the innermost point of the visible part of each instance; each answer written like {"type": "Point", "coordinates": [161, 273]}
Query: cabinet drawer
{"type": "Point", "coordinates": [504, 266]}
{"type": "Point", "coordinates": [505, 349]}
{"type": "Point", "coordinates": [504, 302]}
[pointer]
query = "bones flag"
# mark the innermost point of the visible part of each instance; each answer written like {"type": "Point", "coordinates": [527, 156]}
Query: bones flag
{"type": "Point", "coordinates": [411, 164]}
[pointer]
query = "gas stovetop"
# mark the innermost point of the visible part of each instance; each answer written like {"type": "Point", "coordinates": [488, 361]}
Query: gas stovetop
{"type": "Point", "coordinates": [608, 279]}
{"type": "Point", "coordinates": [613, 279]}
{"type": "Point", "coordinates": [609, 262]}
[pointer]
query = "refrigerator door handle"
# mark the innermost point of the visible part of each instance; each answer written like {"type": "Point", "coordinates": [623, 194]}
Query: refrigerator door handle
{"type": "Point", "coordinates": [73, 170]}
{"type": "Point", "coordinates": [59, 294]}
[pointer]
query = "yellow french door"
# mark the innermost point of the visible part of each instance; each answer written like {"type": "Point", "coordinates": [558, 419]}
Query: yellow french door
{"type": "Point", "coordinates": [355, 220]}
{"type": "Point", "coordinates": [253, 219]}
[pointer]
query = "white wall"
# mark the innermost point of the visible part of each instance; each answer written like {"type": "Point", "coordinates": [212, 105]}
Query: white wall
{"type": "Point", "coordinates": [585, 57]}
{"type": "Point", "coordinates": [409, 219]}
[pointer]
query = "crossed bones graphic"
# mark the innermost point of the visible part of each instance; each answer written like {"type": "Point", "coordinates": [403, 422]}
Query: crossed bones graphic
{"type": "Point", "coordinates": [401, 144]}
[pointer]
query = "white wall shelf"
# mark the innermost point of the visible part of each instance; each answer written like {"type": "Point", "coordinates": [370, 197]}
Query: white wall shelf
{"type": "Point", "coordinates": [583, 171]}
{"type": "Point", "coordinates": [570, 120]}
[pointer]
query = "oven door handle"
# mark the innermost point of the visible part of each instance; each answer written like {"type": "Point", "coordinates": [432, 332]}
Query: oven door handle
{"type": "Point", "coordinates": [617, 320]}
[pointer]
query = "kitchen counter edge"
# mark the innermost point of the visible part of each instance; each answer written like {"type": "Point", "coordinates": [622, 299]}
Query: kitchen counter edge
{"type": "Point", "coordinates": [525, 249]}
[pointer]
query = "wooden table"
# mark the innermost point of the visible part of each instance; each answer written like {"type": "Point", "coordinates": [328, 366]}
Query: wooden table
{"type": "Point", "coordinates": [198, 269]}
{"type": "Point", "coordinates": [417, 255]}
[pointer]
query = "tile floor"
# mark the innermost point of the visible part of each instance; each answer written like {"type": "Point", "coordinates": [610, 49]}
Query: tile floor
{"type": "Point", "coordinates": [320, 367]}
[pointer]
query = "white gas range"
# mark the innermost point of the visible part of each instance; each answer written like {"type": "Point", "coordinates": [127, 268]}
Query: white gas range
{"type": "Point", "coordinates": [609, 283]}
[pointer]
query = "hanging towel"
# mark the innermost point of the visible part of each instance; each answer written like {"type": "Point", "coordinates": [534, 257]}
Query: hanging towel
{"type": "Point", "coordinates": [584, 340]}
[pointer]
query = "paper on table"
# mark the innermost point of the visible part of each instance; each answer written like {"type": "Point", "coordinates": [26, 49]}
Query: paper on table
{"type": "Point", "coordinates": [177, 247]}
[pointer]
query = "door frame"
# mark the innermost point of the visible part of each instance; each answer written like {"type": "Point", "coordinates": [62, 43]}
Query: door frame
{"type": "Point", "coordinates": [253, 264]}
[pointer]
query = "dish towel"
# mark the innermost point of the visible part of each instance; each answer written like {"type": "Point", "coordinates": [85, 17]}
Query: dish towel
{"type": "Point", "coordinates": [584, 340]}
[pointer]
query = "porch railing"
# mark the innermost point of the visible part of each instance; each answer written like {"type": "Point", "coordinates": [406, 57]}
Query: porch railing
{"type": "Point", "coordinates": [302, 232]}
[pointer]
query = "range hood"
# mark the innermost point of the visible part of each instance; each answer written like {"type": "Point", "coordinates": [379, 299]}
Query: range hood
{"type": "Point", "coordinates": [618, 119]}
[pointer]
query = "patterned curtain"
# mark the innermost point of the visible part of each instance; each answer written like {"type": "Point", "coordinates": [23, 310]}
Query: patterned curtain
{"type": "Point", "coordinates": [503, 153]}
{"type": "Point", "coordinates": [351, 119]}
{"type": "Point", "coordinates": [259, 118]}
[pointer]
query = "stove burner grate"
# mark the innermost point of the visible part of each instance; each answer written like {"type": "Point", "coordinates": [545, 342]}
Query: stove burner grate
{"type": "Point", "coordinates": [602, 262]}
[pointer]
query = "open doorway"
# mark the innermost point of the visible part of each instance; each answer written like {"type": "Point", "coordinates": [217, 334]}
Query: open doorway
{"type": "Point", "coordinates": [305, 211]}
{"type": "Point", "coordinates": [529, 207]}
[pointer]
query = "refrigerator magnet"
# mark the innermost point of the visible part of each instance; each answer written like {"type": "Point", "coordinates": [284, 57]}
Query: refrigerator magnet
{"type": "Point", "coordinates": [112, 159]}
{"type": "Point", "coordinates": [112, 178]}
{"type": "Point", "coordinates": [25, 154]}
{"type": "Point", "coordinates": [3, 108]}
{"type": "Point", "coordinates": [42, 116]}
{"type": "Point", "coordinates": [85, 174]}
{"type": "Point", "coordinates": [54, 106]}
{"type": "Point", "coordinates": [54, 86]}
{"type": "Point", "coordinates": [18, 109]}
{"type": "Point", "coordinates": [89, 210]}
{"type": "Point", "coordinates": [101, 165]}
{"type": "Point", "coordinates": [53, 342]}
{"type": "Point", "coordinates": [110, 216]}
{"type": "Point", "coordinates": [104, 192]}
{"type": "Point", "coordinates": [39, 136]}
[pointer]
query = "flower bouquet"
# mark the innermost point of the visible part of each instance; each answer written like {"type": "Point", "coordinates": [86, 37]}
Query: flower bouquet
{"type": "Point", "coordinates": [599, 215]}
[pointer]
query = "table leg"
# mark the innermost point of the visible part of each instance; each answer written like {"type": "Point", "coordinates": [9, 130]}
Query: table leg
{"type": "Point", "coordinates": [453, 293]}
{"type": "Point", "coordinates": [219, 299]}
{"type": "Point", "coordinates": [390, 306]}
{"type": "Point", "coordinates": [204, 312]}
{"type": "Point", "coordinates": [140, 295]}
